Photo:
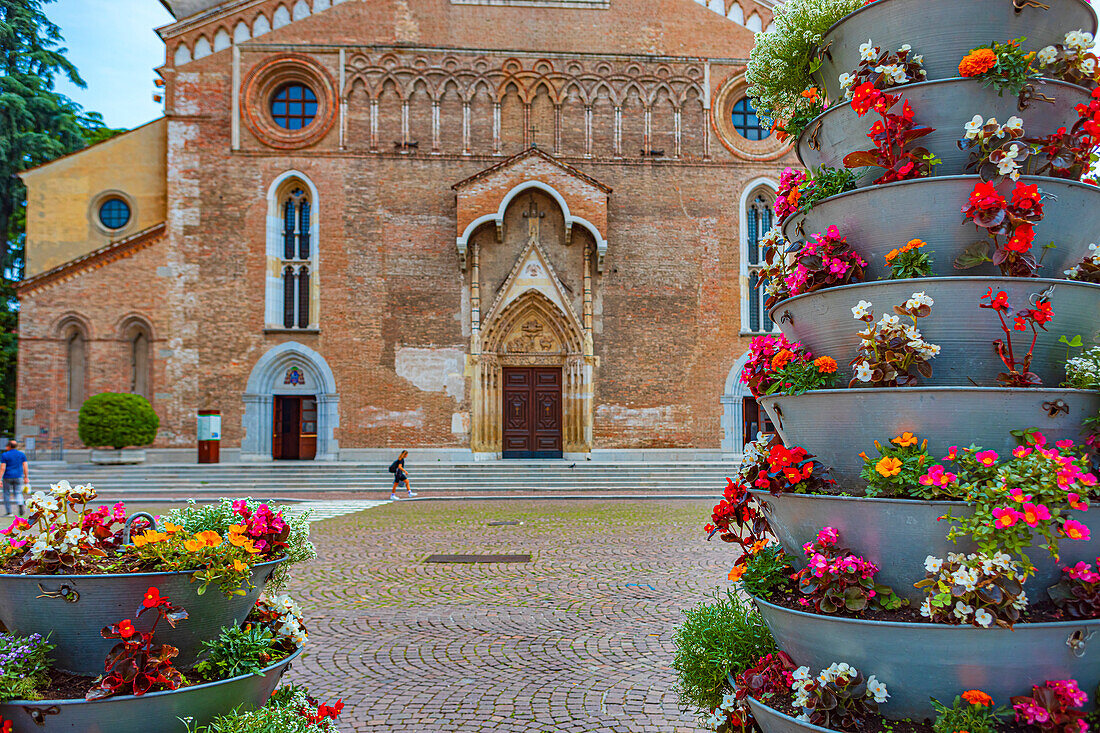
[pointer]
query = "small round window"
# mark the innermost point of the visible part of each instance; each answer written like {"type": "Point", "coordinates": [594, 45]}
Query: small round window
{"type": "Point", "coordinates": [294, 106]}
{"type": "Point", "coordinates": [114, 213]}
{"type": "Point", "coordinates": [746, 122]}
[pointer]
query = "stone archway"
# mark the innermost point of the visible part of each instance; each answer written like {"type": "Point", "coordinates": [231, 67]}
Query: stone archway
{"type": "Point", "coordinates": [532, 331]}
{"type": "Point", "coordinates": [733, 427]}
{"type": "Point", "coordinates": [289, 369]}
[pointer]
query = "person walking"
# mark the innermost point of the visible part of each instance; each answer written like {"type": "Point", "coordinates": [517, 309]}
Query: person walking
{"type": "Point", "coordinates": [15, 476]}
{"type": "Point", "coordinates": [400, 476]}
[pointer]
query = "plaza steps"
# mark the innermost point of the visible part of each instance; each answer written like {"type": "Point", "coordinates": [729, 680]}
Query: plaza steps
{"type": "Point", "coordinates": [332, 481]}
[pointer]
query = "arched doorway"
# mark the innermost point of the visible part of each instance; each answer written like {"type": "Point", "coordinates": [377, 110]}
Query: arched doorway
{"type": "Point", "coordinates": [742, 417]}
{"type": "Point", "coordinates": [291, 407]}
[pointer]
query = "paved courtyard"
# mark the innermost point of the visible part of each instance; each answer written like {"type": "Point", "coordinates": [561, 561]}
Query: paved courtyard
{"type": "Point", "coordinates": [578, 639]}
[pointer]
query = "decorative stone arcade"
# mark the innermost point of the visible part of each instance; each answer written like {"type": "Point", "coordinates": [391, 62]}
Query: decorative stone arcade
{"type": "Point", "coordinates": [531, 320]}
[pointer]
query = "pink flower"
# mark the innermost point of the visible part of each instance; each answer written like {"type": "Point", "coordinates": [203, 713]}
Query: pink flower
{"type": "Point", "coordinates": [1075, 530]}
{"type": "Point", "coordinates": [1076, 502]}
{"type": "Point", "coordinates": [1005, 517]}
{"type": "Point", "coordinates": [1068, 692]}
{"type": "Point", "coordinates": [936, 476]}
{"type": "Point", "coordinates": [1032, 514]}
{"type": "Point", "coordinates": [987, 457]}
{"type": "Point", "coordinates": [1019, 496]}
{"type": "Point", "coordinates": [952, 453]}
{"type": "Point", "coordinates": [828, 536]}
{"type": "Point", "coordinates": [1020, 451]}
{"type": "Point", "coordinates": [1064, 444]}
{"type": "Point", "coordinates": [1038, 439]}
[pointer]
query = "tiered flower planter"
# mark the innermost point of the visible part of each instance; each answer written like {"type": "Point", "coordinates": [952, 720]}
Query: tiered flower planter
{"type": "Point", "coordinates": [962, 403]}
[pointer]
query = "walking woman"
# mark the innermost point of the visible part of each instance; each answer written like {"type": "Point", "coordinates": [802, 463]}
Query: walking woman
{"type": "Point", "coordinates": [400, 476]}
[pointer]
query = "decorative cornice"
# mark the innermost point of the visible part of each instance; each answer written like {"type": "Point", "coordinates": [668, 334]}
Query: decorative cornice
{"type": "Point", "coordinates": [95, 259]}
{"type": "Point", "coordinates": [576, 172]}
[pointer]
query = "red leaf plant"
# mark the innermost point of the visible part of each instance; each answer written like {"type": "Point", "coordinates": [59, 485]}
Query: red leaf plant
{"type": "Point", "coordinates": [770, 676]}
{"type": "Point", "coordinates": [135, 665]}
{"type": "Point", "coordinates": [826, 261]}
{"type": "Point", "coordinates": [1009, 223]}
{"type": "Point", "coordinates": [758, 373]}
{"type": "Point", "coordinates": [1070, 153]}
{"type": "Point", "coordinates": [1019, 372]}
{"type": "Point", "coordinates": [836, 579]}
{"type": "Point", "coordinates": [1050, 707]}
{"type": "Point", "coordinates": [892, 136]}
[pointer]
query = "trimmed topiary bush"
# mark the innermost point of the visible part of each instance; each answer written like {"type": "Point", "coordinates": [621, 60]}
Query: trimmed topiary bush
{"type": "Point", "coordinates": [117, 421]}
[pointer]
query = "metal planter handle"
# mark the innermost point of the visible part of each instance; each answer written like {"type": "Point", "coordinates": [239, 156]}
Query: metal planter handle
{"type": "Point", "coordinates": [126, 539]}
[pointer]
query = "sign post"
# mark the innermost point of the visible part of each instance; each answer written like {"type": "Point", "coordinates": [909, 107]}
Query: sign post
{"type": "Point", "coordinates": [210, 436]}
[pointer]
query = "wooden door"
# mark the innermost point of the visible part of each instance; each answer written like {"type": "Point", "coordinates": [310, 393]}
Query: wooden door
{"type": "Point", "coordinates": [295, 433]}
{"type": "Point", "coordinates": [754, 420]}
{"type": "Point", "coordinates": [532, 417]}
{"type": "Point", "coordinates": [307, 433]}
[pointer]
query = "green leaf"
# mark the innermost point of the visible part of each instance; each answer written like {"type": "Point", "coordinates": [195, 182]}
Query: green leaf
{"type": "Point", "coordinates": [974, 255]}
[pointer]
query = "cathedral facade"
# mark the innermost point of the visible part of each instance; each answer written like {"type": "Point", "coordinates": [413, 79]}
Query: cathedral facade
{"type": "Point", "coordinates": [521, 228]}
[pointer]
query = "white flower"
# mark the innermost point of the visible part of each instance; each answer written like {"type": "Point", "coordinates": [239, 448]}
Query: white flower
{"type": "Point", "coordinates": [729, 701]}
{"type": "Point", "coordinates": [887, 321]}
{"type": "Point", "coordinates": [1007, 165]}
{"type": "Point", "coordinates": [1079, 40]}
{"type": "Point", "coordinates": [919, 59]}
{"type": "Point", "coordinates": [1088, 65]}
{"type": "Point", "coordinates": [926, 608]}
{"type": "Point", "coordinates": [860, 310]}
{"type": "Point", "coordinates": [962, 611]}
{"type": "Point", "coordinates": [846, 80]}
{"type": "Point", "coordinates": [863, 372]}
{"type": "Point", "coordinates": [918, 300]}
{"type": "Point", "coordinates": [804, 717]}
{"type": "Point", "coordinates": [930, 351]}
{"type": "Point", "coordinates": [1014, 124]}
{"type": "Point", "coordinates": [1021, 602]}
{"type": "Point", "coordinates": [983, 617]}
{"type": "Point", "coordinates": [1047, 56]}
{"type": "Point", "coordinates": [932, 564]}
{"type": "Point", "coordinates": [801, 674]}
{"type": "Point", "coordinates": [974, 127]}
{"type": "Point", "coordinates": [869, 51]}
{"type": "Point", "coordinates": [716, 719]}
{"type": "Point", "coordinates": [877, 689]}
{"type": "Point", "coordinates": [905, 47]}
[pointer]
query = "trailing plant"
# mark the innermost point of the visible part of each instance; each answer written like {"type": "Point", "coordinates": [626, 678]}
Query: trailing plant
{"type": "Point", "coordinates": [766, 571]}
{"type": "Point", "coordinates": [778, 469]}
{"type": "Point", "coordinates": [281, 532]}
{"type": "Point", "coordinates": [1027, 497]}
{"type": "Point", "coordinates": [805, 110]}
{"type": "Point", "coordinates": [801, 190]}
{"type": "Point", "coordinates": [907, 262]}
{"type": "Point", "coordinates": [290, 709]}
{"type": "Point", "coordinates": [788, 197]}
{"type": "Point", "coordinates": [778, 266]}
{"type": "Point", "coordinates": [1051, 707]}
{"type": "Point", "coordinates": [1003, 66]}
{"type": "Point", "coordinates": [893, 353]}
{"type": "Point", "coordinates": [283, 616]}
{"type": "Point", "coordinates": [1078, 592]}
{"type": "Point", "coordinates": [981, 590]}
{"type": "Point", "coordinates": [1088, 269]}
{"type": "Point", "coordinates": [24, 666]}
{"type": "Point", "coordinates": [1083, 372]}
{"type": "Point", "coordinates": [1071, 60]}
{"type": "Point", "coordinates": [718, 640]}
{"type": "Point", "coordinates": [1019, 372]}
{"type": "Point", "coordinates": [995, 150]}
{"type": "Point", "coordinates": [784, 57]}
{"type": "Point", "coordinates": [838, 697]}
{"type": "Point", "coordinates": [737, 519]}
{"type": "Point", "coordinates": [135, 665]}
{"type": "Point", "coordinates": [972, 712]}
{"type": "Point", "coordinates": [893, 136]}
{"type": "Point", "coordinates": [904, 468]}
{"type": "Point", "coordinates": [1008, 223]}
{"type": "Point", "coordinates": [836, 579]}
{"type": "Point", "coordinates": [883, 69]}
{"type": "Point", "coordinates": [238, 651]}
{"type": "Point", "coordinates": [825, 261]}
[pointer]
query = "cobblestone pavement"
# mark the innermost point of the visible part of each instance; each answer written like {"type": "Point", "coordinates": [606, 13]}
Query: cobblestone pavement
{"type": "Point", "coordinates": [578, 639]}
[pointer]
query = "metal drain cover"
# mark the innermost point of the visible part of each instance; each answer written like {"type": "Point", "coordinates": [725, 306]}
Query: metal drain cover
{"type": "Point", "coordinates": [478, 558]}
{"type": "Point", "coordinates": [504, 523]}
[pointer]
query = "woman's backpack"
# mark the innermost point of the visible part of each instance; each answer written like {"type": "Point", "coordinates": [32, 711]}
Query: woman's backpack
{"type": "Point", "coordinates": [394, 465]}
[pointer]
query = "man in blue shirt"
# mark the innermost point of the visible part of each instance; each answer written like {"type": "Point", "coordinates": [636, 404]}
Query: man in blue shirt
{"type": "Point", "coordinates": [15, 475]}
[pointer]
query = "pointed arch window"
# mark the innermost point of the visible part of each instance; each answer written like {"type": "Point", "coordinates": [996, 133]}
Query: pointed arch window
{"type": "Point", "coordinates": [757, 218]}
{"type": "Point", "coordinates": [139, 362]}
{"type": "Point", "coordinates": [75, 360]}
{"type": "Point", "coordinates": [292, 254]}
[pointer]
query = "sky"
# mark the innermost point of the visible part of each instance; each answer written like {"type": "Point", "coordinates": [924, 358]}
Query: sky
{"type": "Point", "coordinates": [114, 46]}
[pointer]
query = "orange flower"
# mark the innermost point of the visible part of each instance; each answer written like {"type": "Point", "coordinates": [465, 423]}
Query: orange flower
{"type": "Point", "coordinates": [149, 537]}
{"type": "Point", "coordinates": [209, 538]}
{"type": "Point", "coordinates": [193, 545]}
{"type": "Point", "coordinates": [905, 440]}
{"type": "Point", "coordinates": [913, 244]}
{"type": "Point", "coordinates": [977, 62]}
{"type": "Point", "coordinates": [891, 255]}
{"type": "Point", "coordinates": [888, 466]}
{"type": "Point", "coordinates": [863, 455]}
{"type": "Point", "coordinates": [780, 360]}
{"type": "Point", "coordinates": [977, 697]}
{"type": "Point", "coordinates": [811, 94]}
{"type": "Point", "coordinates": [238, 540]}
{"type": "Point", "coordinates": [239, 566]}
{"type": "Point", "coordinates": [172, 528]}
{"type": "Point", "coordinates": [737, 572]}
{"type": "Point", "coordinates": [826, 364]}
{"type": "Point", "coordinates": [758, 546]}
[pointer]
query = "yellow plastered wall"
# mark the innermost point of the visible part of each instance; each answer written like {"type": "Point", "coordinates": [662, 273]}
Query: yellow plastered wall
{"type": "Point", "coordinates": [63, 197]}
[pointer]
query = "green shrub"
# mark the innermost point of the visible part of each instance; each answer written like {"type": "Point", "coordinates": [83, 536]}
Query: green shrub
{"type": "Point", "coordinates": [285, 712]}
{"type": "Point", "coordinates": [238, 652]}
{"type": "Point", "coordinates": [24, 666]}
{"type": "Point", "coordinates": [767, 572]}
{"type": "Point", "coordinates": [117, 421]}
{"type": "Point", "coordinates": [717, 638]}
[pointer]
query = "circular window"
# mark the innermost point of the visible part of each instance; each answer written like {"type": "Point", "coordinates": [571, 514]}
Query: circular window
{"type": "Point", "coordinates": [114, 213]}
{"type": "Point", "coordinates": [746, 122]}
{"type": "Point", "coordinates": [294, 106]}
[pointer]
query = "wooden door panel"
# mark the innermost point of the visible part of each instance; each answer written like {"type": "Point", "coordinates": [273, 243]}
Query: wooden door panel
{"type": "Point", "coordinates": [288, 414]}
{"type": "Point", "coordinates": [307, 433]}
{"type": "Point", "coordinates": [532, 417]}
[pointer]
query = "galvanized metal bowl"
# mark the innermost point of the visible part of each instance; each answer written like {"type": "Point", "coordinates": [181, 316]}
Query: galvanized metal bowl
{"type": "Point", "coordinates": [837, 424]}
{"type": "Point", "coordinates": [944, 31]}
{"type": "Point", "coordinates": [945, 105]}
{"type": "Point", "coordinates": [918, 661]}
{"type": "Point", "coordinates": [155, 712]}
{"type": "Point", "coordinates": [774, 721]}
{"type": "Point", "coordinates": [898, 534]}
{"type": "Point", "coordinates": [73, 609]}
{"type": "Point", "coordinates": [878, 219]}
{"type": "Point", "coordinates": [823, 322]}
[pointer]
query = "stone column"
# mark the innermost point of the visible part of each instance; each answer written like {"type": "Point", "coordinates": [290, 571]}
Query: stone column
{"type": "Point", "coordinates": [328, 419]}
{"type": "Point", "coordinates": [258, 424]}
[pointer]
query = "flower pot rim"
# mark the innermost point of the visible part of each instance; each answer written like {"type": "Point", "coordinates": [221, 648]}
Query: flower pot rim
{"type": "Point", "coordinates": [1095, 622]}
{"type": "Point", "coordinates": [913, 390]}
{"type": "Point", "coordinates": [911, 85]}
{"type": "Point", "coordinates": [880, 499]}
{"type": "Point", "coordinates": [796, 721]}
{"type": "Point", "coordinates": [120, 698]}
{"type": "Point", "coordinates": [276, 561]}
{"type": "Point", "coordinates": [932, 179]}
{"type": "Point", "coordinates": [857, 11]}
{"type": "Point", "coordinates": [938, 279]}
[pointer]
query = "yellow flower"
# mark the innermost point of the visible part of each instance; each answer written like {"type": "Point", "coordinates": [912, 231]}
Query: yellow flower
{"type": "Point", "coordinates": [905, 440]}
{"type": "Point", "coordinates": [888, 466]}
{"type": "Point", "coordinates": [209, 538]}
{"type": "Point", "coordinates": [193, 545]}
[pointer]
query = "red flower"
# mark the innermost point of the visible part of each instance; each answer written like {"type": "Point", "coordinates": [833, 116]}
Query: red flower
{"type": "Point", "coordinates": [126, 629]}
{"type": "Point", "coordinates": [1026, 197]}
{"type": "Point", "coordinates": [1021, 324]}
{"type": "Point", "coordinates": [1043, 312]}
{"type": "Point", "coordinates": [985, 196]}
{"type": "Point", "coordinates": [1000, 303]}
{"type": "Point", "coordinates": [6, 727]}
{"type": "Point", "coordinates": [153, 598]}
{"type": "Point", "coordinates": [1021, 239]}
{"type": "Point", "coordinates": [864, 97]}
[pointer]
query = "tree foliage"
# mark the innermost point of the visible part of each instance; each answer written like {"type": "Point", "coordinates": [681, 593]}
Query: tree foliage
{"type": "Point", "coordinates": [37, 125]}
{"type": "Point", "coordinates": [116, 420]}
